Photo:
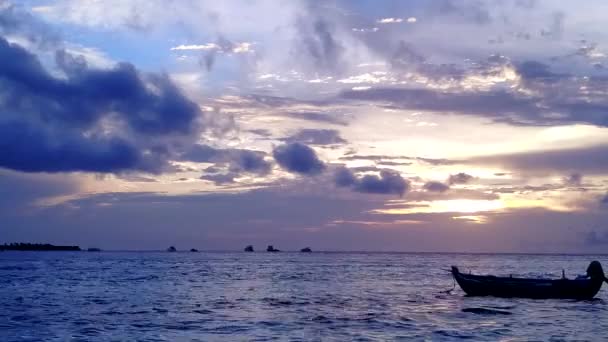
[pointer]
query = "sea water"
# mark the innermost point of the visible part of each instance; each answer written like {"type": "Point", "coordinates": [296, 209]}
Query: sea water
{"type": "Point", "coordinates": [221, 296]}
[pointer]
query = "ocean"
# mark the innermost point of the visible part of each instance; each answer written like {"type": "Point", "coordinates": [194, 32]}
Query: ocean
{"type": "Point", "coordinates": [222, 296]}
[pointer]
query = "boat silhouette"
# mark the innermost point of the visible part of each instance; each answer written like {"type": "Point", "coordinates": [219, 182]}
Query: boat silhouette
{"type": "Point", "coordinates": [582, 287]}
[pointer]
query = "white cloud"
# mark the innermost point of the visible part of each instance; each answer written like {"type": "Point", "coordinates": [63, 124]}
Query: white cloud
{"type": "Point", "coordinates": [209, 46]}
{"type": "Point", "coordinates": [390, 20]}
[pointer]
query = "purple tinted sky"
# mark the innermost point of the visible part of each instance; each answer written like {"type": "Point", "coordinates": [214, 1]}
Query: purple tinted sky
{"type": "Point", "coordinates": [341, 125]}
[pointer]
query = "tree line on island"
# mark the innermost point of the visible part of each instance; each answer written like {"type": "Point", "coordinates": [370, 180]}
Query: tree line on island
{"type": "Point", "coordinates": [26, 246]}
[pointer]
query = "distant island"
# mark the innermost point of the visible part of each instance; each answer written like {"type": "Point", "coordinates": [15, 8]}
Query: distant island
{"type": "Point", "coordinates": [306, 250]}
{"type": "Point", "coordinates": [21, 246]}
{"type": "Point", "coordinates": [249, 248]}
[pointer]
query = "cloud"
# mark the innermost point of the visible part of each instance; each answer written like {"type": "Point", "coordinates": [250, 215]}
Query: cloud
{"type": "Point", "coordinates": [588, 160]}
{"type": "Point", "coordinates": [14, 20]}
{"type": "Point", "coordinates": [239, 160]}
{"type": "Point", "coordinates": [344, 177]}
{"type": "Point", "coordinates": [220, 178]}
{"type": "Point", "coordinates": [90, 120]}
{"type": "Point", "coordinates": [534, 70]}
{"type": "Point", "coordinates": [460, 178]}
{"type": "Point", "coordinates": [388, 182]}
{"type": "Point", "coordinates": [539, 98]}
{"type": "Point", "coordinates": [433, 186]}
{"type": "Point", "coordinates": [575, 179]}
{"type": "Point", "coordinates": [298, 158]}
{"type": "Point", "coordinates": [389, 20]}
{"type": "Point", "coordinates": [317, 43]}
{"type": "Point", "coordinates": [316, 137]}
{"type": "Point", "coordinates": [317, 117]}
{"type": "Point", "coordinates": [604, 199]}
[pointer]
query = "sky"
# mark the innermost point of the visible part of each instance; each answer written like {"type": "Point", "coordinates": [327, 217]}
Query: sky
{"type": "Point", "coordinates": [421, 125]}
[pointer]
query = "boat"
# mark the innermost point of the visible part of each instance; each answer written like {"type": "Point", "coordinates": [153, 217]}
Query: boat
{"type": "Point", "coordinates": [272, 249]}
{"type": "Point", "coordinates": [306, 250]}
{"type": "Point", "coordinates": [582, 287]}
{"type": "Point", "coordinates": [249, 248]}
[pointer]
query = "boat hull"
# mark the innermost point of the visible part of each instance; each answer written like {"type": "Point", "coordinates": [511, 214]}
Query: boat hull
{"type": "Point", "coordinates": [477, 285]}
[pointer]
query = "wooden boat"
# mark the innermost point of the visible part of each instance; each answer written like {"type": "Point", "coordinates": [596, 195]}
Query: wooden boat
{"type": "Point", "coordinates": [585, 287]}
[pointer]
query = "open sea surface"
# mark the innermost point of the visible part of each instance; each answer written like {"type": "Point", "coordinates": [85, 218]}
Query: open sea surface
{"type": "Point", "coordinates": [159, 296]}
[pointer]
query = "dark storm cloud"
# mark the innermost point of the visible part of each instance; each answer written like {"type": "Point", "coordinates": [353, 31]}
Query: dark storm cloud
{"type": "Point", "coordinates": [388, 182]}
{"type": "Point", "coordinates": [298, 158]}
{"type": "Point", "coordinates": [316, 137]}
{"type": "Point", "coordinates": [433, 186]}
{"type": "Point", "coordinates": [90, 120]}
{"type": "Point", "coordinates": [588, 160]}
{"type": "Point", "coordinates": [240, 160]}
{"type": "Point", "coordinates": [460, 178]}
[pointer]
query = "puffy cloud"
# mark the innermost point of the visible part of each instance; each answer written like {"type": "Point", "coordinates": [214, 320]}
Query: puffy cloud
{"type": "Point", "coordinates": [388, 182]}
{"type": "Point", "coordinates": [91, 119]}
{"type": "Point", "coordinates": [344, 177]}
{"type": "Point", "coordinates": [316, 137]}
{"type": "Point", "coordinates": [298, 158]}
{"type": "Point", "coordinates": [433, 186]}
{"type": "Point", "coordinates": [460, 178]}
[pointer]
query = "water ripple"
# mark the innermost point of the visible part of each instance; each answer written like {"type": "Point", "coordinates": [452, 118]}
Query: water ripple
{"type": "Point", "coordinates": [288, 296]}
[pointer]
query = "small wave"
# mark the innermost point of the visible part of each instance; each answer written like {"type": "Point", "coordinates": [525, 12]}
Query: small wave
{"type": "Point", "coordinates": [321, 319]}
{"type": "Point", "coordinates": [284, 301]}
{"type": "Point", "coordinates": [15, 268]}
{"type": "Point", "coordinates": [203, 311]}
{"type": "Point", "coordinates": [484, 311]}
